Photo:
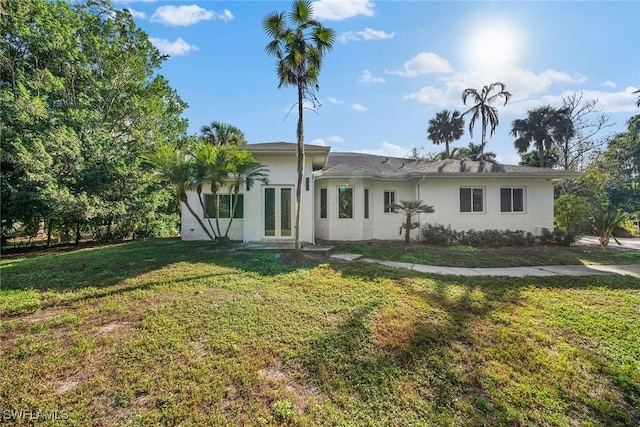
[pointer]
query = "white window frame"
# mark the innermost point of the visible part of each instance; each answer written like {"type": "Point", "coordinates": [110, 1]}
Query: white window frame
{"type": "Point", "coordinates": [524, 198]}
{"type": "Point", "coordinates": [484, 200]}
{"type": "Point", "coordinates": [389, 211]}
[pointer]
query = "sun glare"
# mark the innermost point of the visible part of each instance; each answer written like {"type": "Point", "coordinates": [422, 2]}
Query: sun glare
{"type": "Point", "coordinates": [493, 45]}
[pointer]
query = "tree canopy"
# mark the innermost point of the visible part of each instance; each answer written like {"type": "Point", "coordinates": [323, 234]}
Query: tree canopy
{"type": "Point", "coordinates": [80, 100]}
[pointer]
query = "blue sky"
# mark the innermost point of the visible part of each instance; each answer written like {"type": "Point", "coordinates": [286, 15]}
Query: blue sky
{"type": "Point", "coordinates": [395, 64]}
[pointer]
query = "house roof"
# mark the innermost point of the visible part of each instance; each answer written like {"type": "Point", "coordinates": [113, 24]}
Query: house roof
{"type": "Point", "coordinates": [367, 165]}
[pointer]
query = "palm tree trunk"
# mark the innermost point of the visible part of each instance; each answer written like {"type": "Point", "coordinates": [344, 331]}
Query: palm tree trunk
{"type": "Point", "coordinates": [214, 192]}
{"type": "Point", "coordinates": [541, 152]}
{"type": "Point", "coordinates": [234, 205]}
{"type": "Point", "coordinates": [407, 230]}
{"type": "Point", "coordinates": [199, 191]}
{"type": "Point", "coordinates": [300, 135]}
{"type": "Point", "coordinates": [183, 198]}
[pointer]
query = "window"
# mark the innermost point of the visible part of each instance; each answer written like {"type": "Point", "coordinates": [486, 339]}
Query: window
{"type": "Point", "coordinates": [224, 206]}
{"type": "Point", "coordinates": [323, 203]}
{"type": "Point", "coordinates": [512, 200]}
{"type": "Point", "coordinates": [366, 203]}
{"type": "Point", "coordinates": [471, 199]}
{"type": "Point", "coordinates": [389, 200]}
{"type": "Point", "coordinates": [345, 202]}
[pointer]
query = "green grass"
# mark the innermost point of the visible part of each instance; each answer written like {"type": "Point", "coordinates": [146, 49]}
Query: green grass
{"type": "Point", "coordinates": [167, 333]}
{"type": "Point", "coordinates": [467, 256]}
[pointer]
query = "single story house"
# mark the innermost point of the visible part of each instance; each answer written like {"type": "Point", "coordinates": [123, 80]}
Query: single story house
{"type": "Point", "coordinates": [346, 196]}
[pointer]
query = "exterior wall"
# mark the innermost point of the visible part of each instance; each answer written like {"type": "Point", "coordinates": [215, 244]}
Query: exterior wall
{"type": "Point", "coordinates": [379, 225]}
{"type": "Point", "coordinates": [444, 195]}
{"type": "Point", "coordinates": [191, 230]}
{"type": "Point", "coordinates": [441, 193]}
{"type": "Point", "coordinates": [282, 172]}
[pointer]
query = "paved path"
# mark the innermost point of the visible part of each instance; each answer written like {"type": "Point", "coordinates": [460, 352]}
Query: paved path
{"type": "Point", "coordinates": [549, 270]}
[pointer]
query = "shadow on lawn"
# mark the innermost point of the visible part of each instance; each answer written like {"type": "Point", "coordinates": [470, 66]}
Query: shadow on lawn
{"type": "Point", "coordinates": [443, 359]}
{"type": "Point", "coordinates": [98, 272]}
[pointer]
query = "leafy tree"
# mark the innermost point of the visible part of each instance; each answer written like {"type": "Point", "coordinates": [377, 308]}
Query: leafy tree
{"type": "Point", "coordinates": [299, 50]}
{"type": "Point", "coordinates": [446, 127]}
{"type": "Point", "coordinates": [620, 164]}
{"type": "Point", "coordinates": [80, 102]}
{"type": "Point", "coordinates": [532, 158]}
{"type": "Point", "coordinates": [572, 213]}
{"type": "Point", "coordinates": [411, 208]}
{"type": "Point", "coordinates": [482, 107]}
{"type": "Point", "coordinates": [543, 127]}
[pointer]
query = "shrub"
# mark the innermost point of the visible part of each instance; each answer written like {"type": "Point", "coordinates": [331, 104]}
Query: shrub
{"type": "Point", "coordinates": [572, 213]}
{"type": "Point", "coordinates": [440, 235]}
{"type": "Point", "coordinates": [558, 237]}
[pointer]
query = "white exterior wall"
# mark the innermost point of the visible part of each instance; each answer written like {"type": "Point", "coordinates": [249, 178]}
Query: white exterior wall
{"type": "Point", "coordinates": [379, 225]}
{"type": "Point", "coordinates": [191, 230]}
{"type": "Point", "coordinates": [444, 195]}
{"type": "Point", "coordinates": [282, 172]}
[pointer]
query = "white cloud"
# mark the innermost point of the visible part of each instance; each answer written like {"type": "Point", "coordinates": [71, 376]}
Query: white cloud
{"type": "Point", "coordinates": [367, 34]}
{"type": "Point", "coordinates": [387, 149]}
{"type": "Point", "coordinates": [335, 100]}
{"type": "Point", "coordinates": [337, 10]}
{"type": "Point", "coordinates": [318, 141]}
{"type": "Point", "coordinates": [609, 83]}
{"type": "Point", "coordinates": [176, 48]}
{"type": "Point", "coordinates": [187, 15]}
{"type": "Point", "coordinates": [424, 63]}
{"type": "Point", "coordinates": [136, 14]}
{"type": "Point", "coordinates": [529, 89]}
{"type": "Point", "coordinates": [335, 138]}
{"type": "Point", "coordinates": [358, 107]}
{"type": "Point", "coordinates": [367, 77]}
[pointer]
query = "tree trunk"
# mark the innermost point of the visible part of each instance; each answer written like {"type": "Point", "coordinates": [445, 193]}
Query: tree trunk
{"type": "Point", "coordinates": [407, 230]}
{"type": "Point", "coordinates": [109, 230]}
{"type": "Point", "coordinates": [204, 210]}
{"type": "Point", "coordinates": [300, 152]}
{"type": "Point", "coordinates": [49, 226]}
{"type": "Point", "coordinates": [183, 198]}
{"type": "Point", "coordinates": [77, 234]}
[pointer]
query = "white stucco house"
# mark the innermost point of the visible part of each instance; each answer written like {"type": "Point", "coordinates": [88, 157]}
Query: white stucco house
{"type": "Point", "coordinates": [345, 196]}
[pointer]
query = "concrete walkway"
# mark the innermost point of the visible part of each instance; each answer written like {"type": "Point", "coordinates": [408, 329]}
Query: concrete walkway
{"type": "Point", "coordinates": [551, 270]}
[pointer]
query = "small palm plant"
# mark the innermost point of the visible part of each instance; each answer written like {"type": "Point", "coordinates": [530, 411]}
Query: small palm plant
{"type": "Point", "coordinates": [605, 220]}
{"type": "Point", "coordinates": [411, 208]}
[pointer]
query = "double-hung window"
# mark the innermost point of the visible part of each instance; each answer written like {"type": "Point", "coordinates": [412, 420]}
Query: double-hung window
{"type": "Point", "coordinates": [389, 200]}
{"type": "Point", "coordinates": [471, 199]}
{"type": "Point", "coordinates": [512, 200]}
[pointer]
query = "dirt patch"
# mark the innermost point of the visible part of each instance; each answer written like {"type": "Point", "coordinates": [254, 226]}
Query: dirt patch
{"type": "Point", "coordinates": [277, 375]}
{"type": "Point", "coordinates": [110, 327]}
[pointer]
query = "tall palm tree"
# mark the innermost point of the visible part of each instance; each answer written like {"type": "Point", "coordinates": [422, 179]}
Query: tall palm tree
{"type": "Point", "coordinates": [411, 208]}
{"type": "Point", "coordinates": [245, 170]}
{"type": "Point", "coordinates": [299, 50]}
{"type": "Point", "coordinates": [445, 127]}
{"type": "Point", "coordinates": [171, 165]}
{"type": "Point", "coordinates": [222, 134]}
{"type": "Point", "coordinates": [543, 127]}
{"type": "Point", "coordinates": [473, 152]}
{"type": "Point", "coordinates": [482, 109]}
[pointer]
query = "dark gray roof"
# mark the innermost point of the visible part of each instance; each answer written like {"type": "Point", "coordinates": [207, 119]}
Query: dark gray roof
{"type": "Point", "coordinates": [342, 164]}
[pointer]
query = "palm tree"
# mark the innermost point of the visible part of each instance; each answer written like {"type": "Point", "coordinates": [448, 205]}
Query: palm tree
{"type": "Point", "coordinates": [605, 220]}
{"type": "Point", "coordinates": [411, 208]}
{"type": "Point", "coordinates": [473, 152]}
{"type": "Point", "coordinates": [245, 170]}
{"type": "Point", "coordinates": [222, 134]}
{"type": "Point", "coordinates": [543, 127]}
{"type": "Point", "coordinates": [299, 50]}
{"type": "Point", "coordinates": [445, 127]}
{"type": "Point", "coordinates": [638, 101]}
{"type": "Point", "coordinates": [172, 166]}
{"type": "Point", "coordinates": [213, 166]}
{"type": "Point", "coordinates": [482, 108]}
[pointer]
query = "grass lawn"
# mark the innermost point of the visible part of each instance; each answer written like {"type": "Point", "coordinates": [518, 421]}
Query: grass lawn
{"type": "Point", "coordinates": [467, 256]}
{"type": "Point", "coordinates": [166, 332]}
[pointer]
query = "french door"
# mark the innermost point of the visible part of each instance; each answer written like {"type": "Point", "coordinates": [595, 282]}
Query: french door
{"type": "Point", "coordinates": [278, 211]}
